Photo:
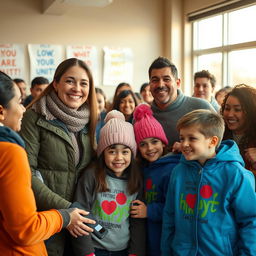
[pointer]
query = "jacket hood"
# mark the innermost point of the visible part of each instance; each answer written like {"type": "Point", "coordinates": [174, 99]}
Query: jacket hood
{"type": "Point", "coordinates": [228, 151]}
{"type": "Point", "coordinates": [8, 135]}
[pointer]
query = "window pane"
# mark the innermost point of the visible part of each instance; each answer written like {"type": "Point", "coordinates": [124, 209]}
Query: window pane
{"type": "Point", "coordinates": [242, 25]}
{"type": "Point", "coordinates": [209, 33]}
{"type": "Point", "coordinates": [212, 63]}
{"type": "Point", "coordinates": [242, 67]}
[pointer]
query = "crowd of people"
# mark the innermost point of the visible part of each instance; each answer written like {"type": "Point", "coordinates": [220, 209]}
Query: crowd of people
{"type": "Point", "coordinates": [162, 173]}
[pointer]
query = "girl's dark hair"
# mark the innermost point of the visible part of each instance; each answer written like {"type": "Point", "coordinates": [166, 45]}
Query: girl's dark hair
{"type": "Point", "coordinates": [122, 95]}
{"type": "Point", "coordinates": [119, 86]}
{"type": "Point", "coordinates": [247, 98]}
{"type": "Point", "coordinates": [143, 86]}
{"type": "Point", "coordinates": [6, 89]}
{"type": "Point", "coordinates": [132, 171]}
{"type": "Point", "coordinates": [92, 101]}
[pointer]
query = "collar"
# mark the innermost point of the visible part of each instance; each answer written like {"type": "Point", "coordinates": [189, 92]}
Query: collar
{"type": "Point", "coordinates": [8, 135]}
{"type": "Point", "coordinates": [176, 103]}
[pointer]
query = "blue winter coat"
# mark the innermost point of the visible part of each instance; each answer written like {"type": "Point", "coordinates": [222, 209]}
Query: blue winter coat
{"type": "Point", "coordinates": [211, 209]}
{"type": "Point", "coordinates": [156, 179]}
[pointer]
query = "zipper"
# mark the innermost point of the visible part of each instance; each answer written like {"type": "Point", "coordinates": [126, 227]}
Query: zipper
{"type": "Point", "coordinates": [200, 172]}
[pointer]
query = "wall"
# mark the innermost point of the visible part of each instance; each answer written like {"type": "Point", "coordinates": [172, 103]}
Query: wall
{"type": "Point", "coordinates": [124, 23]}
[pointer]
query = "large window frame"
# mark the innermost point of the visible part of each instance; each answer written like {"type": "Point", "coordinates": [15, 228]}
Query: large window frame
{"type": "Point", "coordinates": [224, 49]}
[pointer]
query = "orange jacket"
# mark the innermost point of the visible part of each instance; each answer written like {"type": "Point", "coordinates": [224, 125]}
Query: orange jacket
{"type": "Point", "coordinates": [22, 228]}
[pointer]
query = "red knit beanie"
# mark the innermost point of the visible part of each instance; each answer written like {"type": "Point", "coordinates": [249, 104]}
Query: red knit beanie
{"type": "Point", "coordinates": [146, 126]}
{"type": "Point", "coordinates": [116, 131]}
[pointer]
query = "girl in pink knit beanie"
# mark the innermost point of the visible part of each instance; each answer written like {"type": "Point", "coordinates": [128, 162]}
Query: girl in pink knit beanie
{"type": "Point", "coordinates": [157, 167]}
{"type": "Point", "coordinates": [107, 189]}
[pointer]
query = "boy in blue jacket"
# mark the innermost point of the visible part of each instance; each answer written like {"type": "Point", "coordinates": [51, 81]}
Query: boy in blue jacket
{"type": "Point", "coordinates": [210, 207]}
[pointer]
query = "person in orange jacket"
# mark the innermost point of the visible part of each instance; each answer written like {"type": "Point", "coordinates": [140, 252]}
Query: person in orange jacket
{"type": "Point", "coordinates": [22, 228]}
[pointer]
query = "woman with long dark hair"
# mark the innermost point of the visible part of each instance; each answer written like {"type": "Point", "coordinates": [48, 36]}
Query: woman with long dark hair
{"type": "Point", "coordinates": [238, 111]}
{"type": "Point", "coordinates": [59, 132]}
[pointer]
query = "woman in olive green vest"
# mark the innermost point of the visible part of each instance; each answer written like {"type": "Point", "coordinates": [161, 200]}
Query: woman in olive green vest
{"type": "Point", "coordinates": [59, 133]}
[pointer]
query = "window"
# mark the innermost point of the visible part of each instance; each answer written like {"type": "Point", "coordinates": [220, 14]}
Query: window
{"type": "Point", "coordinates": [225, 44]}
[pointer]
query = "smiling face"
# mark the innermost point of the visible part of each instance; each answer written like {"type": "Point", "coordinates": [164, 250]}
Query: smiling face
{"type": "Point", "coordinates": [234, 115]}
{"type": "Point", "coordinates": [12, 115]}
{"type": "Point", "coordinates": [195, 146]}
{"type": "Point", "coordinates": [151, 149]}
{"type": "Point", "coordinates": [146, 95]}
{"type": "Point", "coordinates": [73, 87]}
{"type": "Point", "coordinates": [117, 158]}
{"type": "Point", "coordinates": [127, 106]}
{"type": "Point", "coordinates": [23, 88]}
{"type": "Point", "coordinates": [163, 86]}
{"type": "Point", "coordinates": [203, 88]}
{"type": "Point", "coordinates": [101, 102]}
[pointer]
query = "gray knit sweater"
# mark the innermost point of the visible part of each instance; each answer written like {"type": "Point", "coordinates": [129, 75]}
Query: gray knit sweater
{"type": "Point", "coordinates": [169, 116]}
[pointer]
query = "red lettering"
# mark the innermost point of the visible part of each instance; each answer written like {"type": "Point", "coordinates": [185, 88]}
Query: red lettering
{"type": "Point", "coordinates": [8, 62]}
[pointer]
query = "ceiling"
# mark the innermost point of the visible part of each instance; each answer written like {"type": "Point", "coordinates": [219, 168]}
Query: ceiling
{"type": "Point", "coordinates": [58, 7]}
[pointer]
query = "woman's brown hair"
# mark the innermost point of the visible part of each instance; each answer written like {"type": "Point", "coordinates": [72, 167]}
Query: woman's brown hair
{"type": "Point", "coordinates": [247, 97]}
{"type": "Point", "coordinates": [92, 101]}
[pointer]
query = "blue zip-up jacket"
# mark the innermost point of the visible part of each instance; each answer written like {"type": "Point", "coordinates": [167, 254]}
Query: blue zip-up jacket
{"type": "Point", "coordinates": [156, 179]}
{"type": "Point", "coordinates": [211, 209]}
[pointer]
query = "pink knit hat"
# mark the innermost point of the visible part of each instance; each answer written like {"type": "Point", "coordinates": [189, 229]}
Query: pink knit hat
{"type": "Point", "coordinates": [146, 126]}
{"type": "Point", "coordinates": [116, 131]}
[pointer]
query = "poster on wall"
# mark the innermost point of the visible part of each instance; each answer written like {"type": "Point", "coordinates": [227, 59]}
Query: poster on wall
{"type": "Point", "coordinates": [88, 54]}
{"type": "Point", "coordinates": [12, 60]}
{"type": "Point", "coordinates": [44, 59]}
{"type": "Point", "coordinates": [118, 66]}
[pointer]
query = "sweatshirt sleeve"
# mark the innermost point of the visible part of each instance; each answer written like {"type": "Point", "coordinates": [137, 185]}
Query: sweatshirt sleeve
{"type": "Point", "coordinates": [168, 227]}
{"type": "Point", "coordinates": [137, 245]}
{"type": "Point", "coordinates": [244, 205]}
{"type": "Point", "coordinates": [45, 197]}
{"type": "Point", "coordinates": [20, 219]}
{"type": "Point", "coordinates": [85, 193]}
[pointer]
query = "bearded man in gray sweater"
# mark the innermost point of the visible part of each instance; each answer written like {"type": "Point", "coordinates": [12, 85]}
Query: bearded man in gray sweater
{"type": "Point", "coordinates": [170, 104]}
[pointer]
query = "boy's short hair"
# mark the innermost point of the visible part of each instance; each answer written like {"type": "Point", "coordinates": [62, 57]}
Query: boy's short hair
{"type": "Point", "coordinates": [206, 74]}
{"type": "Point", "coordinates": [209, 123]}
{"type": "Point", "coordinates": [38, 81]}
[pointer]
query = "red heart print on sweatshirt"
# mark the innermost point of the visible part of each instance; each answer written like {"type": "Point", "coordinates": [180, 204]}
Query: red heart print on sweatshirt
{"type": "Point", "coordinates": [108, 206]}
{"type": "Point", "coordinates": [121, 198]}
{"type": "Point", "coordinates": [191, 200]}
{"type": "Point", "coordinates": [149, 184]}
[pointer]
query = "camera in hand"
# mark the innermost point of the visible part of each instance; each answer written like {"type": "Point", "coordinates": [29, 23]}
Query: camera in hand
{"type": "Point", "coordinates": [98, 230]}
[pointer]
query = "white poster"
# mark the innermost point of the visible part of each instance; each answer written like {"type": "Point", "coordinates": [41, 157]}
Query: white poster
{"type": "Point", "coordinates": [12, 60]}
{"type": "Point", "coordinates": [44, 59]}
{"type": "Point", "coordinates": [89, 55]}
{"type": "Point", "coordinates": [118, 66]}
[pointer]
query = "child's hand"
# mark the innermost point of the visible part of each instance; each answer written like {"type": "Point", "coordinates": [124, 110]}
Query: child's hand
{"type": "Point", "coordinates": [250, 155]}
{"type": "Point", "coordinates": [176, 148]}
{"type": "Point", "coordinates": [138, 209]}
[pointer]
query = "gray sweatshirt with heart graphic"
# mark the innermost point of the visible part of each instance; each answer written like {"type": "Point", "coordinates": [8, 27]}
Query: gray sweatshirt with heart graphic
{"type": "Point", "coordinates": [111, 209]}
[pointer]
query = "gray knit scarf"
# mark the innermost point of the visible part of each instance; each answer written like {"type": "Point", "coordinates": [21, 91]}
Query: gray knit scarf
{"type": "Point", "coordinates": [51, 107]}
